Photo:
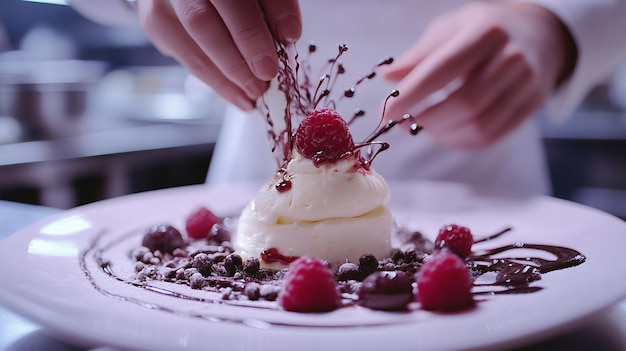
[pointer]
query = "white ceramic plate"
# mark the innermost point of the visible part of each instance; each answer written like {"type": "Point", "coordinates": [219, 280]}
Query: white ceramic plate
{"type": "Point", "coordinates": [43, 278]}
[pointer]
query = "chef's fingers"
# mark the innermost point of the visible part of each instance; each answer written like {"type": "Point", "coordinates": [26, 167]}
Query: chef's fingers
{"type": "Point", "coordinates": [284, 17]}
{"type": "Point", "coordinates": [438, 31]}
{"type": "Point", "coordinates": [245, 21]}
{"type": "Point", "coordinates": [516, 103]}
{"type": "Point", "coordinates": [204, 25]}
{"type": "Point", "coordinates": [504, 116]}
{"type": "Point", "coordinates": [479, 89]}
{"type": "Point", "coordinates": [453, 60]}
{"type": "Point", "coordinates": [168, 35]}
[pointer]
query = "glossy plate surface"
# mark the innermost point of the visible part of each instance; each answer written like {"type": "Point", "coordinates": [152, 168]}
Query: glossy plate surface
{"type": "Point", "coordinates": [49, 275]}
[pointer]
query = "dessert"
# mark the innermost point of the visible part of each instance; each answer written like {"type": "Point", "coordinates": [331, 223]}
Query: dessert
{"type": "Point", "coordinates": [325, 200]}
{"type": "Point", "coordinates": [317, 236]}
{"type": "Point", "coordinates": [333, 208]}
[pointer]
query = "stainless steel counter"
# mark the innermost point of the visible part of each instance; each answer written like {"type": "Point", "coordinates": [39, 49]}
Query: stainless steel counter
{"type": "Point", "coordinates": [132, 117]}
{"type": "Point", "coordinates": [51, 165]}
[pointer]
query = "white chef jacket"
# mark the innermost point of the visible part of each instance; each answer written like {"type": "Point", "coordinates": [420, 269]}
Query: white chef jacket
{"type": "Point", "coordinates": [374, 29]}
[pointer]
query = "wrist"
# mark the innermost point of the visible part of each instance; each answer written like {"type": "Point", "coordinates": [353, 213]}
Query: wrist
{"type": "Point", "coordinates": [559, 47]}
{"type": "Point", "coordinates": [566, 46]}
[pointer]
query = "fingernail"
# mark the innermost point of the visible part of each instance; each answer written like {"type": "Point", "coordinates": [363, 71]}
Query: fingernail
{"type": "Point", "coordinates": [255, 89]}
{"type": "Point", "coordinates": [288, 28]}
{"type": "Point", "coordinates": [264, 67]}
{"type": "Point", "coordinates": [243, 103]}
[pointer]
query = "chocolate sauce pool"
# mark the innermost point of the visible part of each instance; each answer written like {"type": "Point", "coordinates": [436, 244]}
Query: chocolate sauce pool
{"type": "Point", "coordinates": [517, 272]}
{"type": "Point", "coordinates": [514, 273]}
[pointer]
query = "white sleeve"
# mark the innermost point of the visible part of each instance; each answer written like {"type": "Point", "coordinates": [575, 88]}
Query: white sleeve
{"type": "Point", "coordinates": [599, 30]}
{"type": "Point", "coordinates": [107, 12]}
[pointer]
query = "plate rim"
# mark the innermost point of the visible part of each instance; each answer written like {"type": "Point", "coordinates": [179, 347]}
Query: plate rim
{"type": "Point", "coordinates": [250, 189]}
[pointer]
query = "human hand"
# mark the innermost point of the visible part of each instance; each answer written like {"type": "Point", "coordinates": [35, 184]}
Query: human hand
{"type": "Point", "coordinates": [226, 44]}
{"type": "Point", "coordinates": [507, 58]}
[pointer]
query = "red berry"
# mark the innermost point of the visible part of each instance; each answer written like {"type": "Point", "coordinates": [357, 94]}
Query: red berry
{"type": "Point", "coordinates": [455, 238]}
{"type": "Point", "coordinates": [323, 136]}
{"type": "Point", "coordinates": [309, 287]}
{"type": "Point", "coordinates": [200, 223]}
{"type": "Point", "coordinates": [444, 283]}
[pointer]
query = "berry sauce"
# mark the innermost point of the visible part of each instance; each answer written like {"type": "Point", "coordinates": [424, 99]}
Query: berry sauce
{"type": "Point", "coordinates": [272, 255]}
{"type": "Point", "coordinates": [284, 184]}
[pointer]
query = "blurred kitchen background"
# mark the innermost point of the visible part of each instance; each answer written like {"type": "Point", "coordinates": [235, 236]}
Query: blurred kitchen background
{"type": "Point", "coordinates": [89, 112]}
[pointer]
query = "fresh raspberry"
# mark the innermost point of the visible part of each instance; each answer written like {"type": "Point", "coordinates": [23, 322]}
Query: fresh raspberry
{"type": "Point", "coordinates": [444, 283]}
{"type": "Point", "coordinates": [455, 238]}
{"type": "Point", "coordinates": [323, 136]}
{"type": "Point", "coordinates": [309, 287]}
{"type": "Point", "coordinates": [200, 223]}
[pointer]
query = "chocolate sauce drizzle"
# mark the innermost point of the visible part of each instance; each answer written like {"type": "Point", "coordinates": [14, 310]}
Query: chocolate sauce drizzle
{"type": "Point", "coordinates": [514, 275]}
{"type": "Point", "coordinates": [518, 272]}
{"type": "Point", "coordinates": [96, 251]}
